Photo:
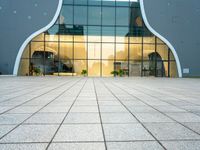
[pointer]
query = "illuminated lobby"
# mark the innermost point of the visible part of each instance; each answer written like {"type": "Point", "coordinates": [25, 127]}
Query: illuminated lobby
{"type": "Point", "coordinates": [100, 38]}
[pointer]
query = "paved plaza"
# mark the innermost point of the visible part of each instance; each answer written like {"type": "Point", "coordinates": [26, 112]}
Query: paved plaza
{"type": "Point", "coordinates": [74, 113]}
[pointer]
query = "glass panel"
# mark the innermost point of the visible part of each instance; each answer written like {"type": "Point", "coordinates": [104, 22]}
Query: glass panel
{"type": "Point", "coordinates": [135, 51]}
{"type": "Point", "coordinates": [122, 51]}
{"type": "Point", "coordinates": [94, 50]}
{"type": "Point", "coordinates": [24, 67]}
{"type": "Point", "coordinates": [107, 51]}
{"type": "Point", "coordinates": [93, 67]}
{"type": "Point", "coordinates": [147, 70]}
{"type": "Point", "coordinates": [36, 46]}
{"type": "Point", "coordinates": [162, 50]}
{"type": "Point", "coordinates": [66, 66]}
{"type": "Point", "coordinates": [66, 51]}
{"type": "Point", "coordinates": [79, 65]}
{"type": "Point", "coordinates": [108, 16]}
{"type": "Point", "coordinates": [37, 66]}
{"type": "Point", "coordinates": [122, 16]}
{"type": "Point", "coordinates": [80, 2]}
{"type": "Point", "coordinates": [94, 34]}
{"type": "Point", "coordinates": [94, 15]}
{"type": "Point", "coordinates": [165, 69]}
{"type": "Point", "coordinates": [122, 34]}
{"type": "Point", "coordinates": [52, 47]}
{"type": "Point", "coordinates": [94, 2]}
{"type": "Point", "coordinates": [26, 52]}
{"type": "Point", "coordinates": [66, 32]}
{"type": "Point", "coordinates": [68, 2]}
{"type": "Point", "coordinates": [108, 2]}
{"type": "Point", "coordinates": [66, 15]}
{"type": "Point", "coordinates": [80, 34]}
{"type": "Point", "coordinates": [149, 39]}
{"type": "Point", "coordinates": [107, 68]}
{"type": "Point", "coordinates": [39, 37]}
{"type": "Point", "coordinates": [108, 34]}
{"type": "Point", "coordinates": [135, 68]}
{"type": "Point", "coordinates": [148, 50]}
{"type": "Point", "coordinates": [171, 56]}
{"type": "Point", "coordinates": [173, 69]}
{"type": "Point", "coordinates": [52, 34]}
{"type": "Point", "coordinates": [80, 50]}
{"type": "Point", "coordinates": [80, 15]}
{"type": "Point", "coordinates": [122, 3]}
{"type": "Point", "coordinates": [122, 66]}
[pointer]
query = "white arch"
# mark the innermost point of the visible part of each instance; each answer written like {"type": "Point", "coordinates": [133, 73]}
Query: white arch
{"type": "Point", "coordinates": [22, 48]}
{"type": "Point", "coordinates": [161, 37]}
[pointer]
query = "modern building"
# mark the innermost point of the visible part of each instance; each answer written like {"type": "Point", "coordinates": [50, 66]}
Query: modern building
{"type": "Point", "coordinates": [67, 37]}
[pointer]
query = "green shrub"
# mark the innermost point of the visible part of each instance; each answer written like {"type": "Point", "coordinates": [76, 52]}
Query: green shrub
{"type": "Point", "coordinates": [84, 72]}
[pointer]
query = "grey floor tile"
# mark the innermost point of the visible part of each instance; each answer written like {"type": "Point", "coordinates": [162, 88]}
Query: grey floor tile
{"type": "Point", "coordinates": [82, 118]}
{"type": "Point", "coordinates": [118, 118]}
{"type": "Point", "coordinates": [32, 146]}
{"type": "Point", "coordinates": [149, 145]}
{"type": "Point", "coordinates": [48, 118]}
{"type": "Point", "coordinates": [152, 117]}
{"type": "Point", "coordinates": [184, 117]}
{"type": "Point", "coordinates": [113, 109]}
{"type": "Point", "coordinates": [170, 131]}
{"type": "Point", "coordinates": [77, 146]}
{"type": "Point", "coordinates": [124, 132]}
{"type": "Point", "coordinates": [5, 129]}
{"type": "Point", "coordinates": [25, 109]}
{"type": "Point", "coordinates": [13, 118]}
{"type": "Point", "coordinates": [141, 109]}
{"type": "Point", "coordinates": [84, 109]}
{"type": "Point", "coordinates": [181, 145]}
{"type": "Point", "coordinates": [55, 109]}
{"type": "Point", "coordinates": [194, 126]}
{"type": "Point", "coordinates": [79, 132]}
{"type": "Point", "coordinates": [30, 133]}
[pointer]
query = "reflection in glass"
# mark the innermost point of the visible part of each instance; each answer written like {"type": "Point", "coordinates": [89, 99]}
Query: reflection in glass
{"type": "Point", "coordinates": [107, 68]}
{"type": "Point", "coordinates": [94, 50]}
{"type": "Point", "coordinates": [107, 51]}
{"type": "Point", "coordinates": [100, 37]}
{"type": "Point", "coordinates": [94, 67]}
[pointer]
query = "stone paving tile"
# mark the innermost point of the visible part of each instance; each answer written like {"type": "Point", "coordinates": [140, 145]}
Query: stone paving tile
{"type": "Point", "coordinates": [150, 145]}
{"type": "Point", "coordinates": [30, 133]}
{"type": "Point", "coordinates": [170, 131]}
{"type": "Point", "coordinates": [184, 117]}
{"type": "Point", "coordinates": [46, 118]}
{"type": "Point", "coordinates": [24, 146]}
{"type": "Point", "coordinates": [125, 132]}
{"type": "Point", "coordinates": [79, 132]}
{"type": "Point", "coordinates": [13, 118]}
{"type": "Point", "coordinates": [82, 118]}
{"type": "Point", "coordinates": [5, 129]}
{"type": "Point", "coordinates": [95, 107]}
{"type": "Point", "coordinates": [118, 118]}
{"type": "Point", "coordinates": [181, 145]}
{"type": "Point", "coordinates": [77, 146]}
{"type": "Point", "coordinates": [152, 117]}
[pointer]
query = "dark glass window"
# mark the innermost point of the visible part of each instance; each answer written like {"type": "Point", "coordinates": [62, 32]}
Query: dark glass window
{"type": "Point", "coordinates": [94, 15]}
{"type": "Point", "coordinates": [94, 2]}
{"type": "Point", "coordinates": [80, 15]}
{"type": "Point", "coordinates": [108, 16]}
{"type": "Point", "coordinates": [108, 2]}
{"type": "Point", "coordinates": [80, 2]}
{"type": "Point", "coordinates": [66, 15]}
{"type": "Point", "coordinates": [67, 1]}
{"type": "Point", "coordinates": [122, 16]}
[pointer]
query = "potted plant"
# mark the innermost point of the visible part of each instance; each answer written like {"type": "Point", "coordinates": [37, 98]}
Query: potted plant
{"type": "Point", "coordinates": [37, 71]}
{"type": "Point", "coordinates": [121, 72]}
{"type": "Point", "coordinates": [84, 72]}
{"type": "Point", "coordinates": [114, 73]}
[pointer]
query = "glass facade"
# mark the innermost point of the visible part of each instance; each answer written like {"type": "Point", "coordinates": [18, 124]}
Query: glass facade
{"type": "Point", "coordinates": [99, 36]}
